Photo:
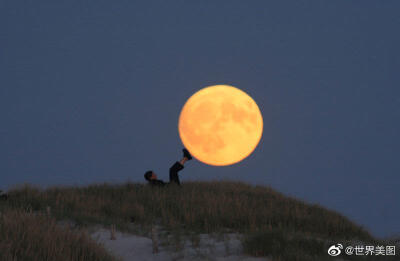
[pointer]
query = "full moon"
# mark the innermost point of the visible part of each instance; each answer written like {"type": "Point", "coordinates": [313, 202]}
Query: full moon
{"type": "Point", "coordinates": [220, 125]}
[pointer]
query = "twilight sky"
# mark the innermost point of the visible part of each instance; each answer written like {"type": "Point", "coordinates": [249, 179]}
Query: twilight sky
{"type": "Point", "coordinates": [91, 91]}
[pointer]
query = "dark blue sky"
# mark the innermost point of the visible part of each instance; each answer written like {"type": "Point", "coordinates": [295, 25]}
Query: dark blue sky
{"type": "Point", "coordinates": [90, 91]}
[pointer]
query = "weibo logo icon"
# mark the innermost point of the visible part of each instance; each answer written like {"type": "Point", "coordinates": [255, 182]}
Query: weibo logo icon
{"type": "Point", "coordinates": [335, 250]}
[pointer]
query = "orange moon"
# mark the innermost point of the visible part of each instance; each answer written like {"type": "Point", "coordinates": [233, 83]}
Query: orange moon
{"type": "Point", "coordinates": [220, 125]}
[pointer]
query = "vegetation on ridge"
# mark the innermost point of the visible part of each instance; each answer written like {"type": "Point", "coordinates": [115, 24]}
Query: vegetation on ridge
{"type": "Point", "coordinates": [268, 219]}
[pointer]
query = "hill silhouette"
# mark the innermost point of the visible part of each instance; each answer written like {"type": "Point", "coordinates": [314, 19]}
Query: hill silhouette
{"type": "Point", "coordinates": [273, 225]}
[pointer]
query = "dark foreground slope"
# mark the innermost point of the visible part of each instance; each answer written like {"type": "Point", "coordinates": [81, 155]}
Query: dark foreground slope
{"type": "Point", "coordinates": [275, 225]}
{"type": "Point", "coordinates": [31, 236]}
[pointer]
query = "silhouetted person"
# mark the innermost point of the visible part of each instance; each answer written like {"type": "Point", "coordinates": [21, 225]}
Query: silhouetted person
{"type": "Point", "coordinates": [151, 177]}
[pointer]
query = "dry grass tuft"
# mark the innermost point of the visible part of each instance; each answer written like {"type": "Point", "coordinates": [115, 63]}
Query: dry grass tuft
{"type": "Point", "coordinates": [36, 237]}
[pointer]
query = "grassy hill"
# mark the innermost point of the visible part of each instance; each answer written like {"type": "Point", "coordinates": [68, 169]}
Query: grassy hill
{"type": "Point", "coordinates": [274, 225]}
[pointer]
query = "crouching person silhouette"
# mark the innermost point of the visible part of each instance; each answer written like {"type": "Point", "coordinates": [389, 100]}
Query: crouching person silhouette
{"type": "Point", "coordinates": [151, 177]}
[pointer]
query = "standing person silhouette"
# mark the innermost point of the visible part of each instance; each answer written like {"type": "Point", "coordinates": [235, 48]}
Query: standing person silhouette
{"type": "Point", "coordinates": [151, 177]}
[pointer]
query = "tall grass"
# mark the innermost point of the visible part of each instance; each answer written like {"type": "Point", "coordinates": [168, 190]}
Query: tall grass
{"type": "Point", "coordinates": [32, 237]}
{"type": "Point", "coordinates": [204, 207]}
